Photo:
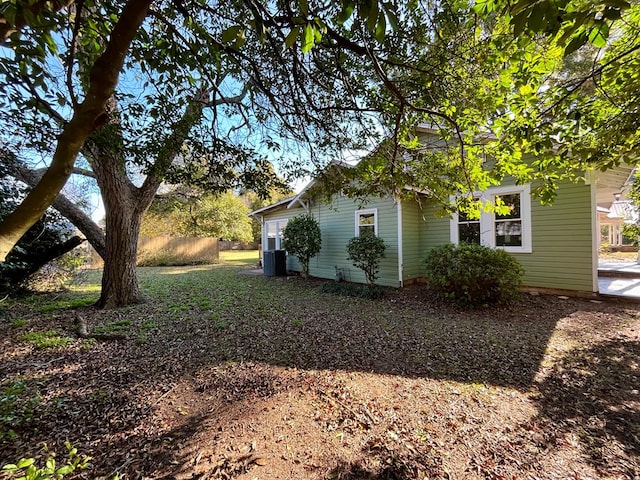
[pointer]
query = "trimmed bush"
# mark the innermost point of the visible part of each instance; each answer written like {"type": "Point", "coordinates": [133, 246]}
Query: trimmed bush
{"type": "Point", "coordinates": [474, 275]}
{"type": "Point", "coordinates": [302, 238]}
{"type": "Point", "coordinates": [365, 252]}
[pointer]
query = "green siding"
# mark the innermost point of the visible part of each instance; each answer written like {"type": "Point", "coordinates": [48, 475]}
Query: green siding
{"type": "Point", "coordinates": [562, 243]}
{"type": "Point", "coordinates": [337, 223]}
{"type": "Point", "coordinates": [413, 228]}
{"type": "Point", "coordinates": [437, 229]}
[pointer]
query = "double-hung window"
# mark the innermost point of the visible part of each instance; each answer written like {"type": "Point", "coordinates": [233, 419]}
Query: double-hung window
{"type": "Point", "coordinates": [367, 221]}
{"type": "Point", "coordinates": [508, 226]}
{"type": "Point", "coordinates": [273, 234]}
{"type": "Point", "coordinates": [510, 229]}
{"type": "Point", "coordinates": [468, 228]}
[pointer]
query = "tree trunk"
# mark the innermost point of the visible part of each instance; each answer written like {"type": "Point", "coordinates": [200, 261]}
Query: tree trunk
{"type": "Point", "coordinates": [125, 204]}
{"type": "Point", "coordinates": [119, 276]}
{"type": "Point", "coordinates": [123, 218]}
{"type": "Point", "coordinates": [87, 118]}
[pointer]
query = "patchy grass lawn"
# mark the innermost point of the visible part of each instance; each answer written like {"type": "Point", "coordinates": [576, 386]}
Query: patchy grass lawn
{"type": "Point", "coordinates": [247, 258]}
{"type": "Point", "coordinates": [223, 375]}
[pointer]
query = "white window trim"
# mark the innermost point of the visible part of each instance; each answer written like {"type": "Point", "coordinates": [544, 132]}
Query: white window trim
{"type": "Point", "coordinates": [265, 232]}
{"type": "Point", "coordinates": [487, 219]}
{"type": "Point", "coordinates": [367, 211]}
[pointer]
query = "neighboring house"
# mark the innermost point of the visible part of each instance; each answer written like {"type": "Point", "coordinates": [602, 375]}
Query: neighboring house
{"type": "Point", "coordinates": [612, 217]}
{"type": "Point", "coordinates": [557, 245]}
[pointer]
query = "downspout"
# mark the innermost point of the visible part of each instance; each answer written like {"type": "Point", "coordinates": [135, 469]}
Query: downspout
{"type": "Point", "coordinates": [400, 253]}
{"type": "Point", "coordinates": [590, 180]}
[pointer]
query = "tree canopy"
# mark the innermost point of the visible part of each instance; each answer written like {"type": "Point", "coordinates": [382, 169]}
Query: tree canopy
{"type": "Point", "coordinates": [204, 94]}
{"type": "Point", "coordinates": [205, 215]}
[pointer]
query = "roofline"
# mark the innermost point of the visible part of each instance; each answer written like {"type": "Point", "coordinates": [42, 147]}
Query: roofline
{"type": "Point", "coordinates": [269, 207]}
{"type": "Point", "coordinates": [299, 196]}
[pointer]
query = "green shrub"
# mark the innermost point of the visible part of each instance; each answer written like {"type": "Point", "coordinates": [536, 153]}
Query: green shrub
{"type": "Point", "coordinates": [27, 469]}
{"type": "Point", "coordinates": [303, 239]}
{"type": "Point", "coordinates": [18, 401]}
{"type": "Point", "coordinates": [365, 252]}
{"type": "Point", "coordinates": [370, 292]}
{"type": "Point", "coordinates": [473, 275]}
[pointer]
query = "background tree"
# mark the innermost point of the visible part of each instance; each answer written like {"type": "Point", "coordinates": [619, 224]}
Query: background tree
{"type": "Point", "coordinates": [191, 215]}
{"type": "Point", "coordinates": [302, 238]}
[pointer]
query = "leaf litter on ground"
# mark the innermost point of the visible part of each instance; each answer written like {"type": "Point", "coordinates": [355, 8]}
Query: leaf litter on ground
{"type": "Point", "coordinates": [241, 376]}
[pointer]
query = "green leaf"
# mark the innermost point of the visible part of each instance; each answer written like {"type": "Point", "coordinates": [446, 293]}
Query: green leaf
{"type": "Point", "coordinates": [576, 42]}
{"type": "Point", "coordinates": [304, 7]}
{"type": "Point", "coordinates": [620, 4]}
{"type": "Point", "coordinates": [483, 7]}
{"type": "Point", "coordinates": [291, 37]}
{"type": "Point", "coordinates": [309, 34]}
{"type": "Point", "coordinates": [598, 35]}
{"type": "Point", "coordinates": [526, 89]}
{"type": "Point", "coordinates": [66, 470]}
{"type": "Point", "coordinates": [381, 28]}
{"type": "Point", "coordinates": [348, 7]}
{"type": "Point", "coordinates": [240, 40]}
{"type": "Point", "coordinates": [230, 34]}
{"type": "Point", "coordinates": [519, 22]}
{"type": "Point", "coordinates": [25, 462]}
{"type": "Point", "coordinates": [393, 19]}
{"type": "Point", "coordinates": [363, 10]}
{"type": "Point", "coordinates": [372, 19]}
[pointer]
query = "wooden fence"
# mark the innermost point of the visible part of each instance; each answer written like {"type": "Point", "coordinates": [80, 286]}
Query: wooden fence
{"type": "Point", "coordinates": [232, 245]}
{"type": "Point", "coordinates": [158, 251]}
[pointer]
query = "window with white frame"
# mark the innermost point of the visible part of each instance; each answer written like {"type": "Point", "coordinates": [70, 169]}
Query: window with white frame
{"type": "Point", "coordinates": [468, 229]}
{"type": "Point", "coordinates": [367, 221]}
{"type": "Point", "coordinates": [510, 230]}
{"type": "Point", "coordinates": [273, 234]}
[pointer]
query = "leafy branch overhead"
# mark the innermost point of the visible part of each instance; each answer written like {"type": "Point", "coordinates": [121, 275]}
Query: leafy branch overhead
{"type": "Point", "coordinates": [145, 93]}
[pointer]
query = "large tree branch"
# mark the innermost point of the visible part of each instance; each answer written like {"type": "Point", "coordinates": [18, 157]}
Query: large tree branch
{"type": "Point", "coordinates": [92, 232]}
{"type": "Point", "coordinates": [36, 263]}
{"type": "Point", "coordinates": [172, 145]}
{"type": "Point", "coordinates": [88, 117]}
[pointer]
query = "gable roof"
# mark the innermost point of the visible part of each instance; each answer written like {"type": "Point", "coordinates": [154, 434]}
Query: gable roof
{"type": "Point", "coordinates": [273, 206]}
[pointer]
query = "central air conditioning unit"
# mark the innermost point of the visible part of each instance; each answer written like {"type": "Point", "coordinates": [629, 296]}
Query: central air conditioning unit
{"type": "Point", "coordinates": [275, 263]}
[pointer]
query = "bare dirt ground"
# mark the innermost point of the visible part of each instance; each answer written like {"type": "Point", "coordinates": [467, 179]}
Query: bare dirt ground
{"type": "Point", "coordinates": [225, 376]}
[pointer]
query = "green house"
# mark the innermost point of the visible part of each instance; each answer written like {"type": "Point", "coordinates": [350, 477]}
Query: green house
{"type": "Point", "coordinates": [557, 245]}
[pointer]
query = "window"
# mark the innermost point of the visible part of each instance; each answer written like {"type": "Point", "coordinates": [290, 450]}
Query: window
{"type": "Point", "coordinates": [508, 226]}
{"type": "Point", "coordinates": [367, 221]}
{"type": "Point", "coordinates": [273, 234]}
{"type": "Point", "coordinates": [510, 230]}
{"type": "Point", "coordinates": [468, 229]}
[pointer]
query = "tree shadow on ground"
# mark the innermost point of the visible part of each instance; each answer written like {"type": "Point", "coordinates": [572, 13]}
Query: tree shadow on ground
{"type": "Point", "coordinates": [593, 393]}
{"type": "Point", "coordinates": [111, 390]}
